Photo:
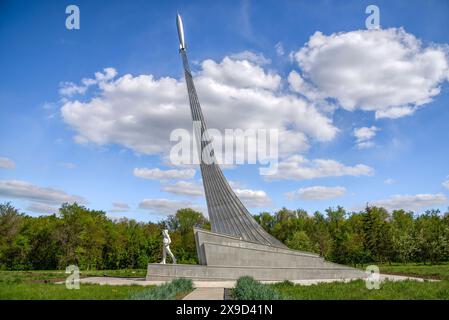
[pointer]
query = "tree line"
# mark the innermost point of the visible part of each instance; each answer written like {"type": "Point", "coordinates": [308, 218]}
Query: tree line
{"type": "Point", "coordinates": [91, 240]}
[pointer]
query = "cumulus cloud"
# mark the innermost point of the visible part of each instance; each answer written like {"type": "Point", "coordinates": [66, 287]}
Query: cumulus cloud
{"type": "Point", "coordinates": [6, 163]}
{"type": "Point", "coordinates": [411, 202]}
{"type": "Point", "coordinates": [317, 193]}
{"type": "Point", "coordinates": [298, 167]}
{"type": "Point", "coordinates": [388, 71]}
{"type": "Point", "coordinates": [158, 174]}
{"type": "Point", "coordinates": [119, 207]}
{"type": "Point", "coordinates": [445, 184]}
{"type": "Point", "coordinates": [257, 58]}
{"type": "Point", "coordinates": [253, 198]}
{"type": "Point", "coordinates": [166, 206]}
{"type": "Point", "coordinates": [69, 89]}
{"type": "Point", "coordinates": [389, 181]}
{"type": "Point", "coordinates": [364, 136]}
{"type": "Point", "coordinates": [42, 208]}
{"type": "Point", "coordinates": [185, 188]}
{"type": "Point", "coordinates": [24, 190]}
{"type": "Point", "coordinates": [140, 112]}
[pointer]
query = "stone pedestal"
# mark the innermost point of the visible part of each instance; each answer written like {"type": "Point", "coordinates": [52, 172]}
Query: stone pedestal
{"type": "Point", "coordinates": [224, 257]}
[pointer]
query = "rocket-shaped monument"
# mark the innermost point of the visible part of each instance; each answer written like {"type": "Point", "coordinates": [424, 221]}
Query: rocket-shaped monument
{"type": "Point", "coordinates": [237, 245]}
{"type": "Point", "coordinates": [227, 214]}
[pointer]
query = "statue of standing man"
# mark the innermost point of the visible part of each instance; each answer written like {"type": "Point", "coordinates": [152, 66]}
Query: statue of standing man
{"type": "Point", "coordinates": [166, 247]}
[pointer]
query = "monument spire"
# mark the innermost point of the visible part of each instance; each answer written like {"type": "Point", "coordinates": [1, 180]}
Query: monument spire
{"type": "Point", "coordinates": [227, 214]}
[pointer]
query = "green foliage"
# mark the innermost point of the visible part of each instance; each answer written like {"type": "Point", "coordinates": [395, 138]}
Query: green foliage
{"type": "Point", "coordinates": [300, 241]}
{"type": "Point", "coordinates": [370, 236]}
{"type": "Point", "coordinates": [247, 288]}
{"type": "Point", "coordinates": [90, 240]}
{"type": "Point", "coordinates": [168, 291]}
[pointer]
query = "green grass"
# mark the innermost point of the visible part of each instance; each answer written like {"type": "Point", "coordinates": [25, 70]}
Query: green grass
{"type": "Point", "coordinates": [356, 290]}
{"type": "Point", "coordinates": [437, 271]}
{"type": "Point", "coordinates": [51, 291]}
{"type": "Point", "coordinates": [41, 285]}
{"type": "Point", "coordinates": [45, 276]}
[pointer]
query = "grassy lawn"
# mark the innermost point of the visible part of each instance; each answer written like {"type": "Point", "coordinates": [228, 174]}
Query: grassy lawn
{"type": "Point", "coordinates": [356, 290]}
{"type": "Point", "coordinates": [50, 291]}
{"type": "Point", "coordinates": [45, 276]}
{"type": "Point", "coordinates": [437, 271]}
{"type": "Point", "coordinates": [40, 285]}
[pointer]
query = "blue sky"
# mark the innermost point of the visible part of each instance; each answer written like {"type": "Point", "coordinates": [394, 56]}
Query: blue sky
{"type": "Point", "coordinates": [52, 149]}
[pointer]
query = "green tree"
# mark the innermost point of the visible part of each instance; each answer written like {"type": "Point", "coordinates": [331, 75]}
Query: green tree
{"type": "Point", "coordinates": [301, 241]}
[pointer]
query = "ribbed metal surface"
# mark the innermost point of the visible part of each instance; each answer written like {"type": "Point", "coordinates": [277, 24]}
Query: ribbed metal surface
{"type": "Point", "coordinates": [227, 214]}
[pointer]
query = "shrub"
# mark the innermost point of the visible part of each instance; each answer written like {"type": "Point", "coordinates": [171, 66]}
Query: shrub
{"type": "Point", "coordinates": [167, 291]}
{"type": "Point", "coordinates": [249, 289]}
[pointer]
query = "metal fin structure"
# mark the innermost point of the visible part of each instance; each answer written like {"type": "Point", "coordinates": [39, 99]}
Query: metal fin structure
{"type": "Point", "coordinates": [227, 214]}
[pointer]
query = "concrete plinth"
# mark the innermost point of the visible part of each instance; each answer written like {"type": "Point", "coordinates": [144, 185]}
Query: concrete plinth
{"type": "Point", "coordinates": [224, 258]}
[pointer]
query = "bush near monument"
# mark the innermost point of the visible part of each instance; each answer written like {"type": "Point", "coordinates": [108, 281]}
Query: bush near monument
{"type": "Point", "coordinates": [247, 288]}
{"type": "Point", "coordinates": [172, 290]}
{"type": "Point", "coordinates": [92, 241]}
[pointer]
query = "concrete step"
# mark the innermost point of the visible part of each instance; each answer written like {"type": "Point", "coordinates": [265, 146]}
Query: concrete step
{"type": "Point", "coordinates": [206, 294]}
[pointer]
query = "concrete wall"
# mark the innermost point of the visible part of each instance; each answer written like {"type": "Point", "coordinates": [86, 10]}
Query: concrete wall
{"type": "Point", "coordinates": [198, 272]}
{"type": "Point", "coordinates": [203, 237]}
{"type": "Point", "coordinates": [225, 257]}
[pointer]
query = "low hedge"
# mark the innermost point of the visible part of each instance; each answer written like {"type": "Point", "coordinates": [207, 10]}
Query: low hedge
{"type": "Point", "coordinates": [168, 291]}
{"type": "Point", "coordinates": [249, 289]}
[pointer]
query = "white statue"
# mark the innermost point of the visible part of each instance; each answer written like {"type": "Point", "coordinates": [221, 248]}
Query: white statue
{"type": "Point", "coordinates": [166, 247]}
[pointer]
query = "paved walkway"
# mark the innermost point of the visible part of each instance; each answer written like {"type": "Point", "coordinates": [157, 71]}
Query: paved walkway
{"type": "Point", "coordinates": [206, 294]}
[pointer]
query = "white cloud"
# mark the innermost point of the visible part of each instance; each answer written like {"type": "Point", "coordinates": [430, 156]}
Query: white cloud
{"type": "Point", "coordinates": [257, 58]}
{"type": "Point", "coordinates": [166, 206]}
{"type": "Point", "coordinates": [411, 202]}
{"type": "Point", "coordinates": [445, 184]}
{"type": "Point", "coordinates": [240, 74]}
{"type": "Point", "coordinates": [6, 163]}
{"type": "Point", "coordinates": [389, 181]}
{"type": "Point", "coordinates": [158, 174]}
{"type": "Point", "coordinates": [387, 71]}
{"type": "Point", "coordinates": [364, 136]}
{"type": "Point", "coordinates": [279, 49]}
{"type": "Point", "coordinates": [184, 188]}
{"type": "Point", "coordinates": [41, 197]}
{"type": "Point", "coordinates": [299, 168]}
{"type": "Point", "coordinates": [253, 198]}
{"type": "Point", "coordinates": [234, 94]}
{"type": "Point", "coordinates": [119, 207]}
{"type": "Point", "coordinates": [42, 208]}
{"type": "Point", "coordinates": [317, 193]}
{"type": "Point", "coordinates": [69, 89]}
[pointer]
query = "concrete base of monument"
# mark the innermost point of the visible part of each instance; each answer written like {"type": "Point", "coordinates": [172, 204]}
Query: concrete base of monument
{"type": "Point", "coordinates": [222, 257]}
